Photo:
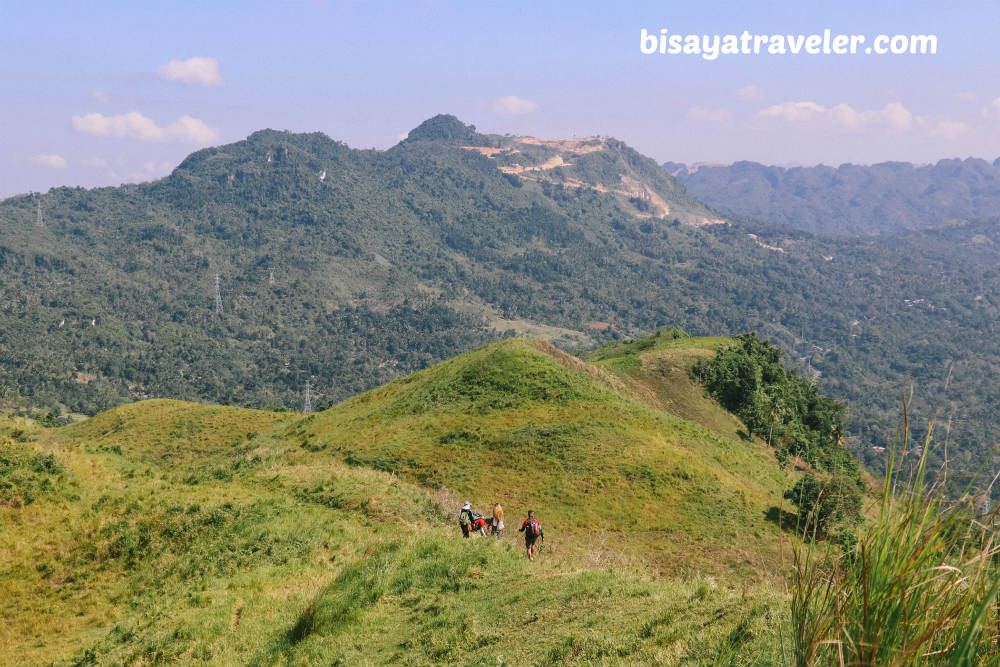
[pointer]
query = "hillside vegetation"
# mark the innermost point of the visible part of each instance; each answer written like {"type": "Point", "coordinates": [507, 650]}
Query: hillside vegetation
{"type": "Point", "coordinates": [348, 269]}
{"type": "Point", "coordinates": [176, 533]}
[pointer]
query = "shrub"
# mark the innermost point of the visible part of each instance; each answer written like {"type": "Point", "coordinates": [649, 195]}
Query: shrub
{"type": "Point", "coordinates": [26, 474]}
{"type": "Point", "coordinates": [825, 503]}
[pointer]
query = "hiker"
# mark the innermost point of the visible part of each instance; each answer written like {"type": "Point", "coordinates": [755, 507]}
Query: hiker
{"type": "Point", "coordinates": [532, 529]}
{"type": "Point", "coordinates": [465, 518]}
{"type": "Point", "coordinates": [479, 523]}
{"type": "Point", "coordinates": [498, 521]}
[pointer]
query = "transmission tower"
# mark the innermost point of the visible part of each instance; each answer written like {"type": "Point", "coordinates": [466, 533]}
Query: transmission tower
{"type": "Point", "coordinates": [149, 206]}
{"type": "Point", "coordinates": [38, 217]}
{"type": "Point", "coordinates": [308, 407]}
{"type": "Point", "coordinates": [218, 296]}
{"type": "Point", "coordinates": [270, 276]}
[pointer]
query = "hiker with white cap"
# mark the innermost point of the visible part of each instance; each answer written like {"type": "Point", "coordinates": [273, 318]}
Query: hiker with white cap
{"type": "Point", "coordinates": [465, 518]}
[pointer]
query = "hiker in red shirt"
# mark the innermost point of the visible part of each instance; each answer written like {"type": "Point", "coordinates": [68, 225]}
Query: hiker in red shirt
{"type": "Point", "coordinates": [532, 529]}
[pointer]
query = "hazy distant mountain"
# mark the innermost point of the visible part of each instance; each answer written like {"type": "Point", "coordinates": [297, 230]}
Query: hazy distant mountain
{"type": "Point", "coordinates": [851, 199]}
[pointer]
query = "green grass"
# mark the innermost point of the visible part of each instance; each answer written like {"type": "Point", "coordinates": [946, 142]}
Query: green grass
{"type": "Point", "coordinates": [437, 600]}
{"type": "Point", "coordinates": [26, 474]}
{"type": "Point", "coordinates": [517, 422]}
{"type": "Point", "coordinates": [919, 587]}
{"type": "Point", "coordinates": [625, 354]}
{"type": "Point", "coordinates": [177, 533]}
{"type": "Point", "coordinates": [657, 370]}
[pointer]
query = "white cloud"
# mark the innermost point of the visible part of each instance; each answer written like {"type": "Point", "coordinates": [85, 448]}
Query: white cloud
{"type": "Point", "coordinates": [992, 110]}
{"type": "Point", "coordinates": [749, 93]}
{"type": "Point", "coordinates": [893, 117]}
{"type": "Point", "coordinates": [894, 114]}
{"type": "Point", "coordinates": [197, 70]}
{"type": "Point", "coordinates": [100, 96]}
{"type": "Point", "coordinates": [95, 162]}
{"type": "Point", "coordinates": [513, 105]}
{"type": "Point", "coordinates": [708, 115]}
{"type": "Point", "coordinates": [966, 96]}
{"type": "Point", "coordinates": [793, 112]}
{"type": "Point", "coordinates": [133, 125]}
{"type": "Point", "coordinates": [49, 160]}
{"type": "Point", "coordinates": [949, 129]}
{"type": "Point", "coordinates": [191, 130]}
{"type": "Point", "coordinates": [843, 116]}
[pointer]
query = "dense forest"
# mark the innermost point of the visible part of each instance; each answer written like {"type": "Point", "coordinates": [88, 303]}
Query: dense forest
{"type": "Point", "coordinates": [349, 268]}
{"type": "Point", "coordinates": [850, 199]}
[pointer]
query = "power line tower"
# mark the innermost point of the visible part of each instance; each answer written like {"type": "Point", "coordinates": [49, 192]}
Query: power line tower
{"type": "Point", "coordinates": [149, 206]}
{"type": "Point", "coordinates": [308, 407]}
{"type": "Point", "coordinates": [218, 296]}
{"type": "Point", "coordinates": [270, 276]}
{"type": "Point", "coordinates": [38, 217]}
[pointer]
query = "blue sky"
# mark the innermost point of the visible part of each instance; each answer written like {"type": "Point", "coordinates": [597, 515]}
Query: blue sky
{"type": "Point", "coordinates": [91, 97]}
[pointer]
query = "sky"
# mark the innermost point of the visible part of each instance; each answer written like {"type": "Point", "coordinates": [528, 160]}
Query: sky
{"type": "Point", "coordinates": [111, 92]}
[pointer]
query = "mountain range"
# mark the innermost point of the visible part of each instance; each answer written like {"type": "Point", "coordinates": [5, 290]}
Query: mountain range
{"type": "Point", "coordinates": [346, 269]}
{"type": "Point", "coordinates": [883, 198]}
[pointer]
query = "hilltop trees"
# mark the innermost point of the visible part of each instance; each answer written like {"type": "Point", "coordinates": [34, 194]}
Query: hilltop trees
{"type": "Point", "coordinates": [749, 380]}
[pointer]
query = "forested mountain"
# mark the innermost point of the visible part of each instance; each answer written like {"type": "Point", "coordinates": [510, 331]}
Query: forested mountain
{"type": "Point", "coordinates": [349, 268]}
{"type": "Point", "coordinates": [850, 199]}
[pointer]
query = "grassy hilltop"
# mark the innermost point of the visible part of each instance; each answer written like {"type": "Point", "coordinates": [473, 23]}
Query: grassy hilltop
{"type": "Point", "coordinates": [173, 532]}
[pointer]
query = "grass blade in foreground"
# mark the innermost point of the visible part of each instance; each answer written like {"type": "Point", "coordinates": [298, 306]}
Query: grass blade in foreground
{"type": "Point", "coordinates": [919, 588]}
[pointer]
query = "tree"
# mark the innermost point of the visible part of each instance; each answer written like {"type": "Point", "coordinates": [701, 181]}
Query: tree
{"type": "Point", "coordinates": [825, 503]}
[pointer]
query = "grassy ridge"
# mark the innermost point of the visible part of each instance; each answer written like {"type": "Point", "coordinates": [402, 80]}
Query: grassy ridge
{"type": "Point", "coordinates": [441, 601]}
{"type": "Point", "coordinates": [172, 532]}
{"type": "Point", "coordinates": [656, 370]}
{"type": "Point", "coordinates": [520, 423]}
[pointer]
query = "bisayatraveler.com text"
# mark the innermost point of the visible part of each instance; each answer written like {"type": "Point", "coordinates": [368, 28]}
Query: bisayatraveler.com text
{"type": "Point", "coordinates": [711, 47]}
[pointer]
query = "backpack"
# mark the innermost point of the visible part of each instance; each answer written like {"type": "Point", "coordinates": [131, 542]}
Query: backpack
{"type": "Point", "coordinates": [534, 527]}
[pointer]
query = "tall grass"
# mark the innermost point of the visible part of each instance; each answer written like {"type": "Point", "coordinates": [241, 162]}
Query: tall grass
{"type": "Point", "coordinates": [920, 586]}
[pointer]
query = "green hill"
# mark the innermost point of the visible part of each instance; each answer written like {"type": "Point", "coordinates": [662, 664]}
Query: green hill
{"type": "Point", "coordinates": [171, 532]}
{"type": "Point", "coordinates": [523, 423]}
